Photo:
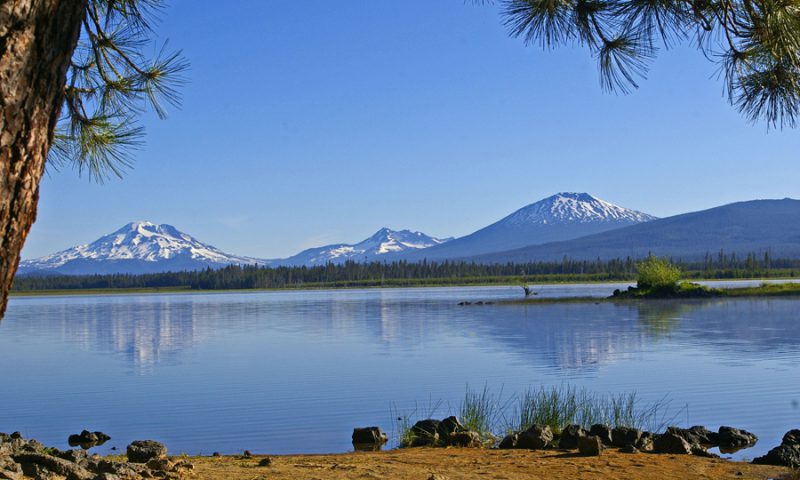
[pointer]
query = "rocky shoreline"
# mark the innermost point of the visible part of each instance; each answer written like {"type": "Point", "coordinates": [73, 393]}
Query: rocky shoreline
{"type": "Point", "coordinates": [696, 440]}
{"type": "Point", "coordinates": [27, 458]}
{"type": "Point", "coordinates": [22, 458]}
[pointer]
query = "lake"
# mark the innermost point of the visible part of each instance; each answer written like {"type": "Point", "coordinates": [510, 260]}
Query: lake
{"type": "Point", "coordinates": [294, 372]}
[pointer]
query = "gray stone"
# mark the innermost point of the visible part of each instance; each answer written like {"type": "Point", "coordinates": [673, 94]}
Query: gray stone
{"type": "Point", "coordinates": [603, 432]}
{"type": "Point", "coordinates": [535, 438]}
{"type": "Point", "coordinates": [465, 439]}
{"type": "Point", "coordinates": [426, 431]}
{"type": "Point", "coordinates": [629, 449]}
{"type": "Point", "coordinates": [425, 440]}
{"type": "Point", "coordinates": [369, 436]}
{"type": "Point", "coordinates": [449, 425]}
{"type": "Point", "coordinates": [570, 435]}
{"type": "Point", "coordinates": [56, 465]}
{"type": "Point", "coordinates": [671, 443]}
{"type": "Point", "coordinates": [509, 441]}
{"type": "Point", "coordinates": [730, 438]}
{"type": "Point", "coordinates": [590, 445]}
{"type": "Point", "coordinates": [645, 442]}
{"type": "Point", "coordinates": [141, 451]}
{"type": "Point", "coordinates": [792, 437]}
{"type": "Point", "coordinates": [622, 436]}
{"type": "Point", "coordinates": [265, 462]}
{"type": "Point", "coordinates": [784, 455]}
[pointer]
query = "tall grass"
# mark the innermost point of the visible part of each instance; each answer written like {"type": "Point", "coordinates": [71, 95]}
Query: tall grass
{"type": "Point", "coordinates": [491, 416]}
{"type": "Point", "coordinates": [558, 407]}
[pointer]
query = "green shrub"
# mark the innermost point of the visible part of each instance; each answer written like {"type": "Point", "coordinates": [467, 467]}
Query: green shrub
{"type": "Point", "coordinates": [657, 274]}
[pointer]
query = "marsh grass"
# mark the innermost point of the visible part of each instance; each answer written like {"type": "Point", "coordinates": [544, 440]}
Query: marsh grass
{"type": "Point", "coordinates": [563, 405]}
{"type": "Point", "coordinates": [491, 416]}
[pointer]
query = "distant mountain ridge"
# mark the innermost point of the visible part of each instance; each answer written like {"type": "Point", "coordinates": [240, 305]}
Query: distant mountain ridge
{"type": "Point", "coordinates": [138, 247]}
{"type": "Point", "coordinates": [562, 216]}
{"type": "Point", "coordinates": [384, 241]}
{"type": "Point", "coordinates": [755, 226]}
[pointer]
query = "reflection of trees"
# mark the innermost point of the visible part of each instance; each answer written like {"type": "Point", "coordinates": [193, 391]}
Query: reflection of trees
{"type": "Point", "coordinates": [658, 318]}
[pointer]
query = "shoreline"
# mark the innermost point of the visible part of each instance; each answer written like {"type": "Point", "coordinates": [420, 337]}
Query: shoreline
{"type": "Point", "coordinates": [469, 463]}
{"type": "Point", "coordinates": [188, 290]}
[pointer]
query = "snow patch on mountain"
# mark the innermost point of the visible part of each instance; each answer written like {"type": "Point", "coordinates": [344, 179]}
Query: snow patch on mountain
{"type": "Point", "coordinates": [384, 241]}
{"type": "Point", "coordinates": [569, 207]}
{"type": "Point", "coordinates": [144, 242]}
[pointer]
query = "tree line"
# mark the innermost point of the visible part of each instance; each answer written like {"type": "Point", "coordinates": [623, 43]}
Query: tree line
{"type": "Point", "coordinates": [354, 274]}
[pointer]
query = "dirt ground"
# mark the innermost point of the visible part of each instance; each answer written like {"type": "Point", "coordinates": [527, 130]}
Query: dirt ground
{"type": "Point", "coordinates": [455, 464]}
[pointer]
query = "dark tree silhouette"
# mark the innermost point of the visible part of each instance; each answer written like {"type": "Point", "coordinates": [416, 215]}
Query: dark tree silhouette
{"type": "Point", "coordinates": [72, 79]}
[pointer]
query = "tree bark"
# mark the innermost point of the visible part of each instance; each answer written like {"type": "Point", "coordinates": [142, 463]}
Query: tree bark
{"type": "Point", "coordinates": [37, 39]}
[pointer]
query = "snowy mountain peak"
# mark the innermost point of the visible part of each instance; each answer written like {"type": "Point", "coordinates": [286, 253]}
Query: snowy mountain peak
{"type": "Point", "coordinates": [571, 207]}
{"type": "Point", "coordinates": [141, 242]}
{"type": "Point", "coordinates": [382, 242]}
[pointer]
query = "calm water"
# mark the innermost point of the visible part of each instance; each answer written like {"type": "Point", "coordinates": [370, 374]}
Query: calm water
{"type": "Point", "coordinates": [283, 372]}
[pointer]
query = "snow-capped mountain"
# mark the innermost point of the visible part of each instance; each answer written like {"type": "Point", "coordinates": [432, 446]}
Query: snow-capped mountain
{"type": "Point", "coordinates": [138, 247]}
{"type": "Point", "coordinates": [385, 241]}
{"type": "Point", "coordinates": [563, 216]}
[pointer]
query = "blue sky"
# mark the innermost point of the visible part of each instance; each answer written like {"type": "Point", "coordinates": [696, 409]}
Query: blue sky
{"type": "Point", "coordinates": [314, 122]}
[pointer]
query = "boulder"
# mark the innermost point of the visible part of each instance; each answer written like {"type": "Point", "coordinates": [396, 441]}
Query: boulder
{"type": "Point", "coordinates": [603, 432]}
{"type": "Point", "coordinates": [629, 449]}
{"type": "Point", "coordinates": [159, 464]}
{"type": "Point", "coordinates": [535, 438]}
{"type": "Point", "coordinates": [141, 451]}
{"type": "Point", "coordinates": [704, 436]}
{"type": "Point", "coordinates": [265, 462]}
{"type": "Point", "coordinates": [449, 425]}
{"type": "Point", "coordinates": [369, 436]}
{"type": "Point", "coordinates": [509, 441]}
{"type": "Point", "coordinates": [570, 435]}
{"type": "Point", "coordinates": [645, 442]}
{"type": "Point", "coordinates": [9, 469]}
{"type": "Point", "coordinates": [590, 445]}
{"type": "Point", "coordinates": [784, 455]}
{"type": "Point", "coordinates": [671, 443]}
{"type": "Point", "coordinates": [464, 439]}
{"type": "Point", "coordinates": [622, 436]}
{"type": "Point", "coordinates": [38, 462]}
{"type": "Point", "coordinates": [734, 438]}
{"type": "Point", "coordinates": [792, 437]}
{"type": "Point", "coordinates": [425, 432]}
{"type": "Point", "coordinates": [701, 451]}
{"type": "Point", "coordinates": [87, 439]}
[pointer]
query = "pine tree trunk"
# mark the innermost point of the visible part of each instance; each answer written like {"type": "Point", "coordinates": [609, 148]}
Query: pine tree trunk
{"type": "Point", "coordinates": [37, 38]}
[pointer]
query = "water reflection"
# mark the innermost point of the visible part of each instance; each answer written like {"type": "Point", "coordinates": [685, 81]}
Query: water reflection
{"type": "Point", "coordinates": [290, 372]}
{"type": "Point", "coordinates": [150, 330]}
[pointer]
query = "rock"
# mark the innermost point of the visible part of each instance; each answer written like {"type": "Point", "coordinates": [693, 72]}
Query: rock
{"type": "Point", "coordinates": [622, 436]}
{"type": "Point", "coordinates": [87, 439]}
{"type": "Point", "coordinates": [369, 436]}
{"type": "Point", "coordinates": [509, 441]}
{"type": "Point", "coordinates": [265, 462]}
{"type": "Point", "coordinates": [425, 432]}
{"type": "Point", "coordinates": [58, 466]}
{"type": "Point", "coordinates": [9, 469]}
{"type": "Point", "coordinates": [141, 451]}
{"type": "Point", "coordinates": [216, 454]}
{"type": "Point", "coordinates": [701, 451]}
{"type": "Point", "coordinates": [247, 454]}
{"type": "Point", "coordinates": [160, 464]}
{"type": "Point", "coordinates": [570, 435]}
{"type": "Point", "coordinates": [603, 432]}
{"type": "Point", "coordinates": [792, 437]}
{"type": "Point", "coordinates": [730, 437]}
{"type": "Point", "coordinates": [784, 455]}
{"type": "Point", "coordinates": [535, 438]}
{"type": "Point", "coordinates": [671, 443]}
{"type": "Point", "coordinates": [11, 475]}
{"type": "Point", "coordinates": [464, 439]}
{"type": "Point", "coordinates": [449, 425]}
{"type": "Point", "coordinates": [645, 442]}
{"type": "Point", "coordinates": [590, 446]}
{"type": "Point", "coordinates": [696, 435]}
{"type": "Point", "coordinates": [74, 456]}
{"type": "Point", "coordinates": [628, 449]}
{"type": "Point", "coordinates": [16, 435]}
